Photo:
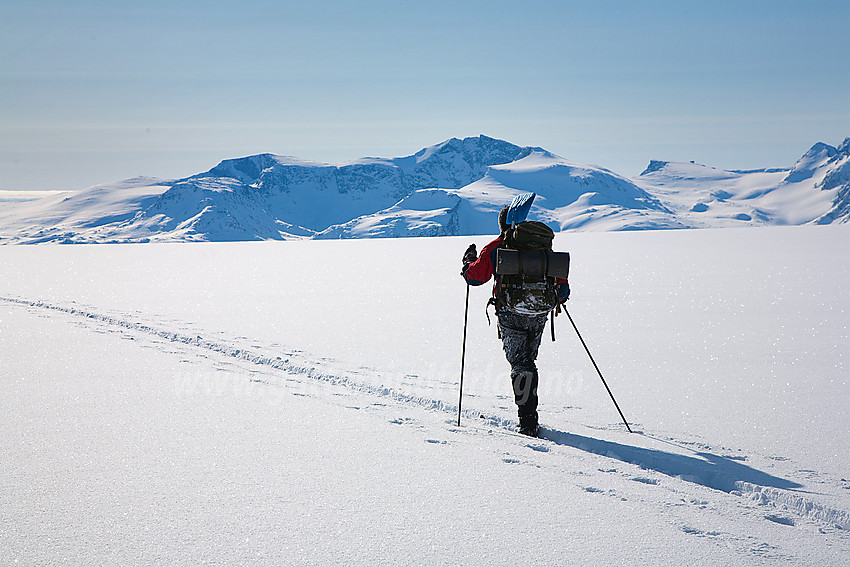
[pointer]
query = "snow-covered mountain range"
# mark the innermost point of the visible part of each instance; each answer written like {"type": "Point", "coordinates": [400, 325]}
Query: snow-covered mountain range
{"type": "Point", "coordinates": [452, 188]}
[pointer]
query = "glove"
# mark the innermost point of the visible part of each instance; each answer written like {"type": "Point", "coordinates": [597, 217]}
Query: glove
{"type": "Point", "coordinates": [564, 292]}
{"type": "Point", "coordinates": [470, 255]}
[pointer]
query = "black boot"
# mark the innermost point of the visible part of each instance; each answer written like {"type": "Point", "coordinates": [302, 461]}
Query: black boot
{"type": "Point", "coordinates": [528, 425]}
{"type": "Point", "coordinates": [525, 395]}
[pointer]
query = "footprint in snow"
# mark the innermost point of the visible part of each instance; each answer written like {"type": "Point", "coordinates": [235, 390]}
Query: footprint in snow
{"type": "Point", "coordinates": [401, 420]}
{"type": "Point", "coordinates": [645, 480]}
{"type": "Point", "coordinates": [808, 473]}
{"type": "Point", "coordinates": [699, 532]}
{"type": "Point", "coordinates": [780, 519]}
{"type": "Point", "coordinates": [513, 461]}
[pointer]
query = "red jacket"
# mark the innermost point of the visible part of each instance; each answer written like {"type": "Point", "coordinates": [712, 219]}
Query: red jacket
{"type": "Point", "coordinates": [481, 270]}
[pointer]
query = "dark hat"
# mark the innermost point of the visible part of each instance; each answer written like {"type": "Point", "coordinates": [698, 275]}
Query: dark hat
{"type": "Point", "coordinates": [503, 220]}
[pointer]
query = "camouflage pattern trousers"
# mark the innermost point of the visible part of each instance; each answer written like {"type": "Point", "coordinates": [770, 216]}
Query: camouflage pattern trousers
{"type": "Point", "coordinates": [521, 336]}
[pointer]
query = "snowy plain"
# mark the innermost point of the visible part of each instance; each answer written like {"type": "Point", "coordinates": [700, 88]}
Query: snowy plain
{"type": "Point", "coordinates": [294, 403]}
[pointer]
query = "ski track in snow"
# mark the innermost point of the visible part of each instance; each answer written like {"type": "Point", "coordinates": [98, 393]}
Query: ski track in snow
{"type": "Point", "coordinates": [786, 500]}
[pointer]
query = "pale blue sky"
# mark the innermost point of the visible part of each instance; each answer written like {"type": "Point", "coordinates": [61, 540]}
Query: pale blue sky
{"type": "Point", "coordinates": [96, 91]}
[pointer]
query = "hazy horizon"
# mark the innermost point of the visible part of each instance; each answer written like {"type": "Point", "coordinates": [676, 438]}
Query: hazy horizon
{"type": "Point", "coordinates": [97, 92]}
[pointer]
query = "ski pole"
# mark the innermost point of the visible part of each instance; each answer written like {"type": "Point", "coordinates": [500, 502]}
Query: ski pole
{"type": "Point", "coordinates": [597, 370]}
{"type": "Point", "coordinates": [463, 355]}
{"type": "Point", "coordinates": [552, 315]}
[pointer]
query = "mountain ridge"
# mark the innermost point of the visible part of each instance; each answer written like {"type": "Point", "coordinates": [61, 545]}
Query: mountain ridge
{"type": "Point", "coordinates": [451, 188]}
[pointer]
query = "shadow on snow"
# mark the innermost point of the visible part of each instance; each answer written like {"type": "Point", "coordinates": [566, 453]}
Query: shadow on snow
{"type": "Point", "coordinates": [707, 469]}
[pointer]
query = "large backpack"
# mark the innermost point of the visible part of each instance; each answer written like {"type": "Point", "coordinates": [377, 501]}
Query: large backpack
{"type": "Point", "coordinates": [527, 269]}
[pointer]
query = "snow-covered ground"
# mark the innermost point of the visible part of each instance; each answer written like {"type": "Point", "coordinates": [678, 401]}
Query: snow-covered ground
{"type": "Point", "coordinates": [288, 403]}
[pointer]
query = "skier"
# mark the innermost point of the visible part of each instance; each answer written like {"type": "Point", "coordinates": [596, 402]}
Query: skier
{"type": "Point", "coordinates": [520, 334]}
